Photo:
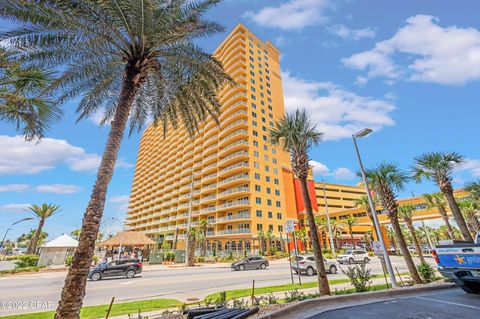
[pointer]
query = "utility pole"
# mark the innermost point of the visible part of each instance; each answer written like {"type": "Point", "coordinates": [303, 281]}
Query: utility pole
{"type": "Point", "coordinates": [330, 234]}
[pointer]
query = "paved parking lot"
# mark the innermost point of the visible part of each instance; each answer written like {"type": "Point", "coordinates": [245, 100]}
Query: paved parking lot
{"type": "Point", "coordinates": [452, 303]}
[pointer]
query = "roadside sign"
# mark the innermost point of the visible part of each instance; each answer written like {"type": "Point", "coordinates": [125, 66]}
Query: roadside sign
{"type": "Point", "coordinates": [377, 248]}
{"type": "Point", "coordinates": [290, 226]}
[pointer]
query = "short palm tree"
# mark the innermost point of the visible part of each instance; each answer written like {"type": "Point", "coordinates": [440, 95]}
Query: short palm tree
{"type": "Point", "coordinates": [193, 236]}
{"type": "Point", "coordinates": [295, 134]}
{"type": "Point", "coordinates": [42, 212]}
{"type": "Point", "coordinates": [385, 179]}
{"type": "Point", "coordinates": [203, 226]}
{"type": "Point", "coordinates": [261, 241]}
{"type": "Point", "coordinates": [438, 166]}
{"type": "Point", "coordinates": [471, 211]}
{"type": "Point", "coordinates": [406, 213]}
{"type": "Point", "coordinates": [474, 189]}
{"type": "Point", "coordinates": [438, 201]}
{"type": "Point", "coordinates": [302, 236]}
{"type": "Point", "coordinates": [391, 237]}
{"type": "Point", "coordinates": [363, 202]}
{"type": "Point", "coordinates": [135, 60]}
{"type": "Point", "coordinates": [350, 222]}
{"type": "Point", "coordinates": [22, 101]}
{"type": "Point", "coordinates": [337, 229]}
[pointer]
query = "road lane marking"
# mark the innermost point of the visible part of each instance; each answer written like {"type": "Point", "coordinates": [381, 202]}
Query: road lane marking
{"type": "Point", "coordinates": [449, 303]}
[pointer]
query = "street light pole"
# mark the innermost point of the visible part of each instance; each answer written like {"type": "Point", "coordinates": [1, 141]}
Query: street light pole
{"type": "Point", "coordinates": [362, 133]}
{"type": "Point", "coordinates": [8, 229]}
{"type": "Point", "coordinates": [330, 235]}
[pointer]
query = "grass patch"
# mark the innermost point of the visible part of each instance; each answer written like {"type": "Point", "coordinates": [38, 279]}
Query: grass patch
{"type": "Point", "coordinates": [20, 270]}
{"type": "Point", "coordinates": [93, 312]}
{"type": "Point", "coordinates": [239, 293]}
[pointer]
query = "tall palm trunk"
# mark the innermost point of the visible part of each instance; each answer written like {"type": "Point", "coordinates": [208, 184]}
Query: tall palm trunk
{"type": "Point", "coordinates": [204, 241]}
{"type": "Point", "coordinates": [350, 229]}
{"type": "Point", "coordinates": [444, 214]}
{"type": "Point", "coordinates": [75, 283]}
{"type": "Point", "coordinates": [32, 245]}
{"type": "Point", "coordinates": [416, 243]}
{"type": "Point", "coordinates": [191, 251]}
{"type": "Point", "coordinates": [447, 190]}
{"type": "Point", "coordinates": [404, 249]}
{"type": "Point", "coordinates": [323, 286]}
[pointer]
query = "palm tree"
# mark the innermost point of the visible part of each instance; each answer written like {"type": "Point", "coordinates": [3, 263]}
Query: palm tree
{"type": "Point", "coordinates": [391, 237]}
{"type": "Point", "coordinates": [203, 225]}
{"type": "Point", "coordinates": [135, 60]}
{"type": "Point", "coordinates": [474, 189]}
{"type": "Point", "coordinates": [471, 211]}
{"type": "Point", "coordinates": [337, 229]}
{"type": "Point", "coordinates": [76, 233]}
{"type": "Point", "coordinates": [438, 166]}
{"type": "Point", "coordinates": [261, 239]}
{"type": "Point", "coordinates": [406, 213]}
{"type": "Point", "coordinates": [22, 101]}
{"type": "Point", "coordinates": [437, 200]}
{"type": "Point", "coordinates": [302, 236]}
{"type": "Point", "coordinates": [42, 212]}
{"type": "Point", "coordinates": [363, 202]}
{"type": "Point", "coordinates": [385, 179]}
{"type": "Point", "coordinates": [193, 235]}
{"type": "Point", "coordinates": [295, 133]}
{"type": "Point", "coordinates": [350, 222]}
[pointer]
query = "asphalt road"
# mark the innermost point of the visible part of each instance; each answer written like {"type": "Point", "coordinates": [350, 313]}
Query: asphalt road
{"type": "Point", "coordinates": [158, 282]}
{"type": "Point", "coordinates": [453, 303]}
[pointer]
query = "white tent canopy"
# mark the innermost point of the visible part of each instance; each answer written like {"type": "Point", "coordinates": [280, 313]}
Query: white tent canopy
{"type": "Point", "coordinates": [62, 241]}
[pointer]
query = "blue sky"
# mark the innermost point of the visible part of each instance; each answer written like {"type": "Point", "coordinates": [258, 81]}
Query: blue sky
{"type": "Point", "coordinates": [409, 69]}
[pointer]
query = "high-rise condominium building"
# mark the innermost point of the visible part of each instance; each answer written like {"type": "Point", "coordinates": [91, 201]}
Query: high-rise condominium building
{"type": "Point", "coordinates": [228, 176]}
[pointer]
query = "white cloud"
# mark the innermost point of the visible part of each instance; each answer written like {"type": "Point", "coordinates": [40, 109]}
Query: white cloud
{"type": "Point", "coordinates": [340, 173]}
{"type": "Point", "coordinates": [293, 14]}
{"type": "Point", "coordinates": [121, 199]}
{"type": "Point", "coordinates": [344, 173]}
{"type": "Point", "coordinates": [346, 33]}
{"type": "Point", "coordinates": [23, 157]}
{"type": "Point", "coordinates": [445, 55]}
{"type": "Point", "coordinates": [14, 208]}
{"type": "Point", "coordinates": [18, 188]}
{"type": "Point", "coordinates": [470, 165]}
{"type": "Point", "coordinates": [58, 188]}
{"type": "Point", "coordinates": [336, 112]}
{"type": "Point", "coordinates": [319, 168]}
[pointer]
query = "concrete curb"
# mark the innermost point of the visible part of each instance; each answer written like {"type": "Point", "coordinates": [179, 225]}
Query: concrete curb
{"type": "Point", "coordinates": [307, 308]}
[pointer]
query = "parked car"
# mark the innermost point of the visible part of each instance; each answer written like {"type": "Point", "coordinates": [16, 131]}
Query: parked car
{"type": "Point", "coordinates": [412, 249]}
{"type": "Point", "coordinates": [353, 256]}
{"type": "Point", "coordinates": [121, 267]}
{"type": "Point", "coordinates": [426, 249]}
{"type": "Point", "coordinates": [306, 264]}
{"type": "Point", "coordinates": [254, 262]}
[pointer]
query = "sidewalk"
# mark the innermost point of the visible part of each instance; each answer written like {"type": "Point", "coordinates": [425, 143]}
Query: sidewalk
{"type": "Point", "coordinates": [279, 295]}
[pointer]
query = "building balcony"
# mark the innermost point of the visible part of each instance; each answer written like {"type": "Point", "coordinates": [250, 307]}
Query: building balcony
{"type": "Point", "coordinates": [240, 178]}
{"type": "Point", "coordinates": [234, 168]}
{"type": "Point", "coordinates": [236, 204]}
{"type": "Point", "coordinates": [235, 146]}
{"type": "Point", "coordinates": [232, 158]}
{"type": "Point", "coordinates": [237, 231]}
{"type": "Point", "coordinates": [240, 216]}
{"type": "Point", "coordinates": [232, 192]}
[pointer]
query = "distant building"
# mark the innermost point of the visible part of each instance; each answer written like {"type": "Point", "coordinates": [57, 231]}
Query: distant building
{"type": "Point", "coordinates": [56, 251]}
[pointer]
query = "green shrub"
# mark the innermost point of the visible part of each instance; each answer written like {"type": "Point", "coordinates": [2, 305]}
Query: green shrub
{"type": "Point", "coordinates": [371, 254]}
{"type": "Point", "coordinates": [200, 259]}
{"type": "Point", "coordinates": [19, 270]}
{"type": "Point", "coordinates": [68, 260]}
{"type": "Point", "coordinates": [426, 272]}
{"type": "Point", "coordinates": [95, 259]}
{"type": "Point", "coordinates": [25, 261]}
{"type": "Point", "coordinates": [359, 277]}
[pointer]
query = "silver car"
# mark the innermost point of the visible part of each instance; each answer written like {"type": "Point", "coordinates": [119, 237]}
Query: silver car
{"type": "Point", "coordinates": [306, 265]}
{"type": "Point", "coordinates": [353, 256]}
{"type": "Point", "coordinates": [254, 262]}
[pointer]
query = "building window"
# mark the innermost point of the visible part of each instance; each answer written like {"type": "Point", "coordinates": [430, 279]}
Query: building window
{"type": "Point", "coordinates": [270, 227]}
{"type": "Point", "coordinates": [265, 157]}
{"type": "Point", "coordinates": [278, 204]}
{"type": "Point", "coordinates": [276, 181]}
{"type": "Point", "coordinates": [256, 154]}
{"type": "Point", "coordinates": [258, 200]}
{"type": "Point", "coordinates": [270, 215]}
{"type": "Point", "coordinates": [256, 164]}
{"type": "Point", "coordinates": [269, 190]}
{"type": "Point", "coordinates": [253, 97]}
{"type": "Point", "coordinates": [257, 176]}
{"type": "Point", "coordinates": [267, 178]}
{"type": "Point", "coordinates": [267, 168]}
{"type": "Point", "coordinates": [269, 202]}
{"type": "Point", "coordinates": [274, 151]}
{"type": "Point", "coordinates": [259, 213]}
{"type": "Point", "coordinates": [255, 143]}
{"type": "Point", "coordinates": [274, 160]}
{"type": "Point", "coordinates": [259, 227]}
{"type": "Point", "coordinates": [255, 133]}
{"type": "Point", "coordinates": [280, 228]}
{"type": "Point", "coordinates": [258, 188]}
{"type": "Point", "coordinates": [279, 215]}
{"type": "Point", "coordinates": [254, 114]}
{"type": "Point", "coordinates": [275, 171]}
{"type": "Point", "coordinates": [254, 123]}
{"type": "Point", "coordinates": [254, 105]}
{"type": "Point", "coordinates": [277, 192]}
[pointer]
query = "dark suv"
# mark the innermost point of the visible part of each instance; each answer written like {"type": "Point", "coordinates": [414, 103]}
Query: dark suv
{"type": "Point", "coordinates": [121, 267]}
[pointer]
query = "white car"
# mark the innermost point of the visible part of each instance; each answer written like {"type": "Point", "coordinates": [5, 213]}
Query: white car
{"type": "Point", "coordinates": [353, 256]}
{"type": "Point", "coordinates": [306, 265]}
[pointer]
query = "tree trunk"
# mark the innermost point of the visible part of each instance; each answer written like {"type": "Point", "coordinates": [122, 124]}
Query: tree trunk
{"type": "Point", "coordinates": [324, 288]}
{"type": "Point", "coordinates": [418, 248]}
{"type": "Point", "coordinates": [457, 214]}
{"type": "Point", "coordinates": [444, 214]}
{"type": "Point", "coordinates": [191, 251]}
{"type": "Point", "coordinates": [351, 234]}
{"type": "Point", "coordinates": [74, 289]}
{"type": "Point", "coordinates": [404, 249]}
{"type": "Point", "coordinates": [32, 245]}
